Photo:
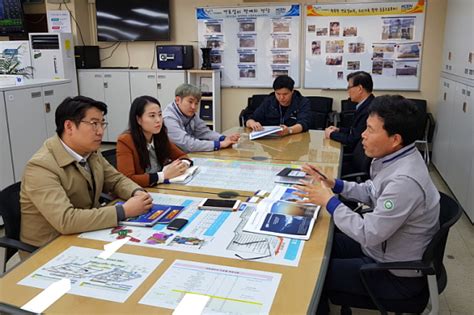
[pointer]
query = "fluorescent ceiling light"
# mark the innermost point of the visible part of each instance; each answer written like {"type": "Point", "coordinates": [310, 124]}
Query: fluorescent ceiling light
{"type": "Point", "coordinates": [133, 22]}
{"type": "Point", "coordinates": [151, 13]}
{"type": "Point", "coordinates": [107, 15]}
{"type": "Point", "coordinates": [159, 27]}
{"type": "Point", "coordinates": [113, 29]}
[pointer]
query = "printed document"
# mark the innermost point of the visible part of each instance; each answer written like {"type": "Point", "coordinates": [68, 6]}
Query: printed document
{"type": "Point", "coordinates": [232, 290]}
{"type": "Point", "coordinates": [113, 279]}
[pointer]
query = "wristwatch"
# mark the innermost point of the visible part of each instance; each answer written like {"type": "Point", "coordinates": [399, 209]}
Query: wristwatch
{"type": "Point", "coordinates": [290, 131]}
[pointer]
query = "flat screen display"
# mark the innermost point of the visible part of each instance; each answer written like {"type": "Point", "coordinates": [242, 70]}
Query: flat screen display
{"type": "Point", "coordinates": [132, 20]}
{"type": "Point", "coordinates": [11, 17]}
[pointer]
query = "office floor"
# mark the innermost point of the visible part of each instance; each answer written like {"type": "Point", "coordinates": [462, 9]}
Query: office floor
{"type": "Point", "coordinates": [458, 297]}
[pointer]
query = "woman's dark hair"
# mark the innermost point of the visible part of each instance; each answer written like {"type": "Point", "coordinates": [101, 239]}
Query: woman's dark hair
{"type": "Point", "coordinates": [399, 115]}
{"type": "Point", "coordinates": [74, 109]}
{"type": "Point", "coordinates": [160, 140]}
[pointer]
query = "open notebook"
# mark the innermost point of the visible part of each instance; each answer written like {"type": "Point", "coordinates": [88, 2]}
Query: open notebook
{"type": "Point", "coordinates": [186, 177]}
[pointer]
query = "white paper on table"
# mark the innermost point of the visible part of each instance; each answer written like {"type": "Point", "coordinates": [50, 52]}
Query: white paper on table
{"type": "Point", "coordinates": [113, 279]}
{"type": "Point", "coordinates": [232, 290]}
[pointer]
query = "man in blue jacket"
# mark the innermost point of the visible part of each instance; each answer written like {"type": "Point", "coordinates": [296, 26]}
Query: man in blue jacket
{"type": "Point", "coordinates": [359, 89]}
{"type": "Point", "coordinates": [285, 107]}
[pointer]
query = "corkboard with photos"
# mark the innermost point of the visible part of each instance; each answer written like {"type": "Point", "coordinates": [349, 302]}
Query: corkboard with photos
{"type": "Point", "coordinates": [251, 45]}
{"type": "Point", "coordinates": [384, 39]}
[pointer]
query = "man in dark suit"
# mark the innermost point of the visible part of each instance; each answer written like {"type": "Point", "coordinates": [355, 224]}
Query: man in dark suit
{"type": "Point", "coordinates": [359, 89]}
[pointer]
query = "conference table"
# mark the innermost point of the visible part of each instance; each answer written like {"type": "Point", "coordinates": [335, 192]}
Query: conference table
{"type": "Point", "coordinates": [299, 288]}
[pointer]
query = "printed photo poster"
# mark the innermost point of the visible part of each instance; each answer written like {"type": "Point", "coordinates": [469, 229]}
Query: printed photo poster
{"type": "Point", "coordinates": [384, 39]}
{"type": "Point", "coordinates": [252, 45]}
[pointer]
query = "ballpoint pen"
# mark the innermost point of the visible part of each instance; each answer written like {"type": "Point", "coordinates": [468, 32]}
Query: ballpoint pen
{"type": "Point", "coordinates": [314, 169]}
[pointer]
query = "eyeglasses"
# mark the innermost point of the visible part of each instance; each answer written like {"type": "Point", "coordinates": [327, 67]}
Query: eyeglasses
{"type": "Point", "coordinates": [351, 86]}
{"type": "Point", "coordinates": [95, 124]}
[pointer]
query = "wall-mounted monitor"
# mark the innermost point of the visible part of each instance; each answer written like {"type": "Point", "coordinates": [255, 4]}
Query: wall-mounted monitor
{"type": "Point", "coordinates": [11, 17]}
{"type": "Point", "coordinates": [133, 20]}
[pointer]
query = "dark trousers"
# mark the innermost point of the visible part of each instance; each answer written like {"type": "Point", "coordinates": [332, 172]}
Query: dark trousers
{"type": "Point", "coordinates": [343, 277]}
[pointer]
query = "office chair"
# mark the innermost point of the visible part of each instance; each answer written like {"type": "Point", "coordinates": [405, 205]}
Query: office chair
{"type": "Point", "coordinates": [347, 114]}
{"type": "Point", "coordinates": [356, 165]}
{"type": "Point", "coordinates": [253, 103]}
{"type": "Point", "coordinates": [8, 309]}
{"type": "Point", "coordinates": [424, 127]}
{"type": "Point", "coordinates": [10, 211]}
{"type": "Point", "coordinates": [321, 108]}
{"type": "Point", "coordinates": [431, 266]}
{"type": "Point", "coordinates": [111, 156]}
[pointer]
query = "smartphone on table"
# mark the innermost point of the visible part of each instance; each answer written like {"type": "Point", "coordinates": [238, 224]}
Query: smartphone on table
{"type": "Point", "coordinates": [177, 224]}
{"type": "Point", "coordinates": [219, 204]}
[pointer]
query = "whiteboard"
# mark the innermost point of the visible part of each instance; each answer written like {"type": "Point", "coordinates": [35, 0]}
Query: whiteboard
{"type": "Point", "coordinates": [252, 45]}
{"type": "Point", "coordinates": [383, 39]}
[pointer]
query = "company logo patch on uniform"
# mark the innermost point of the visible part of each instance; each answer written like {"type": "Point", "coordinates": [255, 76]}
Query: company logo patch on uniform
{"type": "Point", "coordinates": [388, 204]}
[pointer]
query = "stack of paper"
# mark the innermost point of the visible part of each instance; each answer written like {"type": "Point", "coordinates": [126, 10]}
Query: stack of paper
{"type": "Point", "coordinates": [290, 175]}
{"type": "Point", "coordinates": [283, 218]}
{"type": "Point", "coordinates": [267, 130]}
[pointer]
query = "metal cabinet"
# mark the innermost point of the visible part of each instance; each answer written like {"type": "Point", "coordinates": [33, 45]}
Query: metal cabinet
{"type": "Point", "coordinates": [30, 116]}
{"type": "Point", "coordinates": [160, 84]}
{"type": "Point", "coordinates": [112, 88]}
{"type": "Point", "coordinates": [453, 145]}
{"type": "Point", "coordinates": [458, 53]}
{"type": "Point", "coordinates": [6, 165]}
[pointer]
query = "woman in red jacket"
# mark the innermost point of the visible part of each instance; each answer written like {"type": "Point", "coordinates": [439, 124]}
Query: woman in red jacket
{"type": "Point", "coordinates": [144, 152]}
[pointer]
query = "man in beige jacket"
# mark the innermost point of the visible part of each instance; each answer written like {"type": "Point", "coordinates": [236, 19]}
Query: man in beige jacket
{"type": "Point", "coordinates": [63, 180]}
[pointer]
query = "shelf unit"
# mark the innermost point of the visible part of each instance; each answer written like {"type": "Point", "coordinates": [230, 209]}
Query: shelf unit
{"type": "Point", "coordinates": [208, 81]}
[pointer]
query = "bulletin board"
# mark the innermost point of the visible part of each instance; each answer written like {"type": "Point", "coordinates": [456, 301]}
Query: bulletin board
{"type": "Point", "coordinates": [252, 45]}
{"type": "Point", "coordinates": [383, 39]}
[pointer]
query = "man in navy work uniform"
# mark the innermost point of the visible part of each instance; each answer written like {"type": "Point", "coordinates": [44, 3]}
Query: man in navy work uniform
{"type": "Point", "coordinates": [285, 107]}
{"type": "Point", "coordinates": [359, 88]}
{"type": "Point", "coordinates": [405, 206]}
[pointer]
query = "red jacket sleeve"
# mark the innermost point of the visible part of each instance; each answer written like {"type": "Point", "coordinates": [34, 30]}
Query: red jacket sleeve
{"type": "Point", "coordinates": [126, 161]}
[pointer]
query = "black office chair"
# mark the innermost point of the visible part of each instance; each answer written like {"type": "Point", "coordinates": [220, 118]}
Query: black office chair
{"type": "Point", "coordinates": [431, 266]}
{"type": "Point", "coordinates": [356, 165]}
{"type": "Point", "coordinates": [111, 156]}
{"type": "Point", "coordinates": [11, 213]}
{"type": "Point", "coordinates": [8, 309]}
{"type": "Point", "coordinates": [253, 103]}
{"type": "Point", "coordinates": [347, 114]}
{"type": "Point", "coordinates": [424, 127]}
{"type": "Point", "coordinates": [321, 108]}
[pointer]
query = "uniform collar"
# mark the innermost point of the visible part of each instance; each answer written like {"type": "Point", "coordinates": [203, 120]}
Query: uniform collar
{"type": "Point", "coordinates": [184, 118]}
{"type": "Point", "coordinates": [398, 154]}
{"type": "Point", "coordinates": [379, 164]}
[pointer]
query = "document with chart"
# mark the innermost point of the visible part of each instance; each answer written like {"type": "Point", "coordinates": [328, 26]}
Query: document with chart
{"type": "Point", "coordinates": [232, 290]}
{"type": "Point", "coordinates": [215, 233]}
{"type": "Point", "coordinates": [113, 279]}
{"type": "Point", "coordinates": [237, 175]}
